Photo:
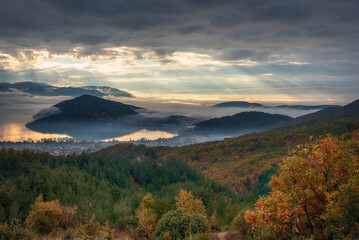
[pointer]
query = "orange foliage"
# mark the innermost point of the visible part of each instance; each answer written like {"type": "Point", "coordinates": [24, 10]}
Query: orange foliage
{"type": "Point", "coordinates": [309, 191]}
{"type": "Point", "coordinates": [44, 217]}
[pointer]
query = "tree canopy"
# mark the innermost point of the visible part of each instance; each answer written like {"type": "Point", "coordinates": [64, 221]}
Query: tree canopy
{"type": "Point", "coordinates": [315, 194]}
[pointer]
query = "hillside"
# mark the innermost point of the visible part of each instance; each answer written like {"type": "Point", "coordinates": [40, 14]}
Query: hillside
{"type": "Point", "coordinates": [245, 163]}
{"type": "Point", "coordinates": [240, 122]}
{"type": "Point", "coordinates": [348, 110]}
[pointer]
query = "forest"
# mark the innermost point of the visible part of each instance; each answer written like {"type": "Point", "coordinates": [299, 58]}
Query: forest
{"type": "Point", "coordinates": [109, 188]}
{"type": "Point", "coordinates": [191, 192]}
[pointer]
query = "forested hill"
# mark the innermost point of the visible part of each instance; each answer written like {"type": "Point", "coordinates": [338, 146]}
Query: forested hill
{"type": "Point", "coordinates": [88, 106]}
{"type": "Point", "coordinates": [245, 163]}
{"type": "Point", "coordinates": [241, 122]}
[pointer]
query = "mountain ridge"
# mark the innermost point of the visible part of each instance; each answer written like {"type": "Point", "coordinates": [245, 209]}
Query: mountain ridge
{"type": "Point", "coordinates": [244, 121]}
{"type": "Point", "coordinates": [244, 104]}
{"type": "Point", "coordinates": [42, 89]}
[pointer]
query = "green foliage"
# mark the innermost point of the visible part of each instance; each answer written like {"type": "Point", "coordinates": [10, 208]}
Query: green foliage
{"type": "Point", "coordinates": [202, 236]}
{"type": "Point", "coordinates": [180, 223]}
{"type": "Point", "coordinates": [122, 213]}
{"type": "Point", "coordinates": [110, 185]}
{"type": "Point", "coordinates": [14, 231]}
{"type": "Point", "coordinates": [262, 187]}
{"type": "Point", "coordinates": [240, 226]}
{"type": "Point", "coordinates": [161, 206]}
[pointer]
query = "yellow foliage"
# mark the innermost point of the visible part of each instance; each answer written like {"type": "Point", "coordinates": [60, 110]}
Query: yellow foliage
{"type": "Point", "coordinates": [44, 217]}
{"type": "Point", "coordinates": [147, 201]}
{"type": "Point", "coordinates": [186, 201]}
{"type": "Point", "coordinates": [146, 221]}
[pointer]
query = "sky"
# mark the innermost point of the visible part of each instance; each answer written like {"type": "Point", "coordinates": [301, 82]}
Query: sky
{"type": "Point", "coordinates": [187, 51]}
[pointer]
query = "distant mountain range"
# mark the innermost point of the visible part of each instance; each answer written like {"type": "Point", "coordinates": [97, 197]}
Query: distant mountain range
{"type": "Point", "coordinates": [91, 117]}
{"type": "Point", "coordinates": [243, 104]}
{"type": "Point", "coordinates": [42, 89]}
{"type": "Point", "coordinates": [239, 104]}
{"type": "Point", "coordinates": [245, 122]}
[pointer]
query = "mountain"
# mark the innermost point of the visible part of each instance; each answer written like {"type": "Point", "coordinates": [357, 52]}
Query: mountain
{"type": "Point", "coordinates": [243, 104]}
{"type": "Point", "coordinates": [239, 104]}
{"type": "Point", "coordinates": [240, 122]}
{"type": "Point", "coordinates": [305, 107]}
{"type": "Point", "coordinates": [88, 107]}
{"type": "Point", "coordinates": [348, 110]}
{"type": "Point", "coordinates": [42, 89]}
{"type": "Point", "coordinates": [87, 117]}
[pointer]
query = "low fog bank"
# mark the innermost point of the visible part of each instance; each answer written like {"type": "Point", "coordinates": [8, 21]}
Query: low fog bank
{"type": "Point", "coordinates": [205, 112]}
{"type": "Point", "coordinates": [20, 108]}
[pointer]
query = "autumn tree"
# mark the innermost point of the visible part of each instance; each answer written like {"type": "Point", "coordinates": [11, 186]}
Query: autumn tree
{"type": "Point", "coordinates": [44, 217]}
{"type": "Point", "coordinates": [146, 218]}
{"type": "Point", "coordinates": [315, 194]}
{"type": "Point", "coordinates": [186, 201]}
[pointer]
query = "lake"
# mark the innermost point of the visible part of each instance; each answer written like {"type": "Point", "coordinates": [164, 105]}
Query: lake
{"type": "Point", "coordinates": [17, 132]}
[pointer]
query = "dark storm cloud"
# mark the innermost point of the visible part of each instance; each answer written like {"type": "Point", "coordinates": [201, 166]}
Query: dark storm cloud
{"type": "Point", "coordinates": [323, 32]}
{"type": "Point", "coordinates": [91, 22]}
{"type": "Point", "coordinates": [244, 54]}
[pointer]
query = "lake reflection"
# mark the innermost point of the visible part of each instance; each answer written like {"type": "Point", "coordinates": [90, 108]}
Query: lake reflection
{"type": "Point", "coordinates": [16, 132]}
{"type": "Point", "coordinates": [143, 134]}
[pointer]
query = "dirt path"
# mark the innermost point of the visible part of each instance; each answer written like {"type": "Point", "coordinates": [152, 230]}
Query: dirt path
{"type": "Point", "coordinates": [220, 235]}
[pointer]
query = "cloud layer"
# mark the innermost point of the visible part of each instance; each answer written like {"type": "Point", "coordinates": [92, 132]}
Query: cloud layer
{"type": "Point", "coordinates": [195, 46]}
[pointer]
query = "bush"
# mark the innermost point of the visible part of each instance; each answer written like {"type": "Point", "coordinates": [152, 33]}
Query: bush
{"type": "Point", "coordinates": [14, 231]}
{"type": "Point", "coordinates": [180, 223]}
{"type": "Point", "coordinates": [240, 226]}
{"type": "Point", "coordinates": [44, 217]}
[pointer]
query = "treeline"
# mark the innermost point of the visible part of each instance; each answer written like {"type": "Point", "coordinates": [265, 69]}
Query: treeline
{"type": "Point", "coordinates": [109, 187]}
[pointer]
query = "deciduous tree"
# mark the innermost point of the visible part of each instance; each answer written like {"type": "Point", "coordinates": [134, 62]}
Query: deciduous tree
{"type": "Point", "coordinates": [315, 194]}
{"type": "Point", "coordinates": [186, 201]}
